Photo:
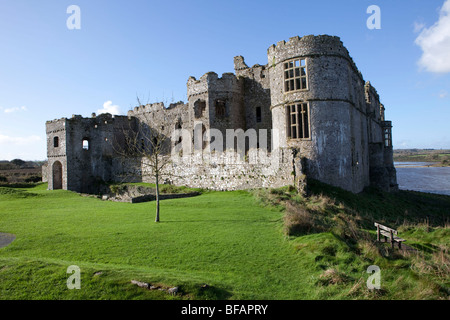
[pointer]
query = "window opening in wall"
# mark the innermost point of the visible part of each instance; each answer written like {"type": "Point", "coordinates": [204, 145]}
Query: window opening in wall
{"type": "Point", "coordinates": [56, 142]}
{"type": "Point", "coordinates": [199, 108]}
{"type": "Point", "coordinates": [295, 75]}
{"type": "Point", "coordinates": [85, 144]}
{"type": "Point", "coordinates": [220, 108]}
{"type": "Point", "coordinates": [258, 114]}
{"type": "Point", "coordinates": [204, 143]}
{"type": "Point", "coordinates": [297, 116]}
{"type": "Point", "coordinates": [387, 137]}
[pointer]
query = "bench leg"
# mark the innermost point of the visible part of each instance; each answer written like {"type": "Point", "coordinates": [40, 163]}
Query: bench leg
{"type": "Point", "coordinates": [392, 240]}
{"type": "Point", "coordinates": [399, 244]}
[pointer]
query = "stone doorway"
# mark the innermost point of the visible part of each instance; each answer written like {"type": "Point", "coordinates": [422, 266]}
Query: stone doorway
{"type": "Point", "coordinates": [57, 175]}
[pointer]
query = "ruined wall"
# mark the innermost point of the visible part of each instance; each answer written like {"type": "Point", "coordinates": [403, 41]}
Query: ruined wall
{"type": "Point", "coordinates": [227, 171]}
{"type": "Point", "coordinates": [85, 150]}
{"type": "Point", "coordinates": [345, 145]}
{"type": "Point", "coordinates": [382, 170]}
{"type": "Point", "coordinates": [256, 97]}
{"type": "Point", "coordinates": [223, 99]}
{"type": "Point", "coordinates": [336, 150]}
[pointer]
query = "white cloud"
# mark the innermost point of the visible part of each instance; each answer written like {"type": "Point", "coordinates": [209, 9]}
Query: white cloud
{"type": "Point", "coordinates": [418, 26]}
{"type": "Point", "coordinates": [435, 43]}
{"type": "Point", "coordinates": [443, 94]}
{"type": "Point", "coordinates": [4, 140]}
{"type": "Point", "coordinates": [108, 107]}
{"type": "Point", "coordinates": [31, 147]}
{"type": "Point", "coordinates": [15, 109]}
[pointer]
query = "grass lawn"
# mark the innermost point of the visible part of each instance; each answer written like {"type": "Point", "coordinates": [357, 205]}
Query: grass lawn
{"type": "Point", "coordinates": [230, 241]}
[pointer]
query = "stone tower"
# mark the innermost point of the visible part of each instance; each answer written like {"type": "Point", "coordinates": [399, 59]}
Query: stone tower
{"type": "Point", "coordinates": [319, 106]}
{"type": "Point", "coordinates": [80, 151]}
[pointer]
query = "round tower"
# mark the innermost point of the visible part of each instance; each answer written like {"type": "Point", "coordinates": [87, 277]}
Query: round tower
{"type": "Point", "coordinates": [317, 102]}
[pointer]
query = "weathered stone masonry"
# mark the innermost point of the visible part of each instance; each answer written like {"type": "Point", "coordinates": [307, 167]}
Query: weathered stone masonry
{"type": "Point", "coordinates": [322, 121]}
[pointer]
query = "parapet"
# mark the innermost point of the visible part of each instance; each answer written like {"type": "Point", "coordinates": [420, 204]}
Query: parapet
{"type": "Point", "coordinates": [239, 63]}
{"type": "Point", "coordinates": [370, 92]}
{"type": "Point", "coordinates": [146, 108]}
{"type": "Point", "coordinates": [310, 45]}
{"type": "Point", "coordinates": [322, 44]}
{"type": "Point", "coordinates": [210, 81]}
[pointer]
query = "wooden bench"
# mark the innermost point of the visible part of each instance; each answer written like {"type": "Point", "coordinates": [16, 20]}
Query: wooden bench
{"type": "Point", "coordinates": [390, 233]}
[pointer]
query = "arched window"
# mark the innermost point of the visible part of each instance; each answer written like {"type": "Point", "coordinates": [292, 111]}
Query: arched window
{"type": "Point", "coordinates": [85, 144]}
{"type": "Point", "coordinates": [56, 142]}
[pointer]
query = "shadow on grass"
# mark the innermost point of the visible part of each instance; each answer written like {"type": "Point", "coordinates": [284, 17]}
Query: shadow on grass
{"type": "Point", "coordinates": [206, 292]}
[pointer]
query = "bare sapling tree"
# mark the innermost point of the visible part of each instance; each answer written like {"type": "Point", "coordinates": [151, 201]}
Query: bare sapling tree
{"type": "Point", "coordinates": [150, 146]}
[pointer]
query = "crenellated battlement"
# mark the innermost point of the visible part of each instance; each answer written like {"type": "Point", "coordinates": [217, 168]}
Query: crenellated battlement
{"type": "Point", "coordinates": [309, 46]}
{"type": "Point", "coordinates": [322, 43]}
{"type": "Point", "coordinates": [210, 81]}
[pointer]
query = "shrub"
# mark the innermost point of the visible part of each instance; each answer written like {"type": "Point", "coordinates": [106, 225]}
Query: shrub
{"type": "Point", "coordinates": [298, 220]}
{"type": "Point", "coordinates": [3, 179]}
{"type": "Point", "coordinates": [332, 276]}
{"type": "Point", "coordinates": [33, 179]}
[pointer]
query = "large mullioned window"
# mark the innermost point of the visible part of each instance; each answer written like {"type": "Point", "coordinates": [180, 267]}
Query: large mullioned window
{"type": "Point", "coordinates": [295, 75]}
{"type": "Point", "coordinates": [297, 116]}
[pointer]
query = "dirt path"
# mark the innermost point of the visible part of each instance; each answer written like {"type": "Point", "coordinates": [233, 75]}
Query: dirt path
{"type": "Point", "coordinates": [6, 238]}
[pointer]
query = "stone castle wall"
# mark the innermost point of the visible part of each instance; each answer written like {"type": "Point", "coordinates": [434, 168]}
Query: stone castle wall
{"type": "Point", "coordinates": [345, 146]}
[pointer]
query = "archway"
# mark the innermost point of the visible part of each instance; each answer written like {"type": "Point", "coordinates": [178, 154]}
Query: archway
{"type": "Point", "coordinates": [57, 175]}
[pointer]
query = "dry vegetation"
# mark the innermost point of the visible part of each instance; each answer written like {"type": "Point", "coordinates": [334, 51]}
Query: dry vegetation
{"type": "Point", "coordinates": [422, 266]}
{"type": "Point", "coordinates": [19, 171]}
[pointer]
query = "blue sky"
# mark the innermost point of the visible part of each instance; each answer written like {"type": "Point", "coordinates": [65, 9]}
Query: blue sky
{"type": "Point", "coordinates": [149, 49]}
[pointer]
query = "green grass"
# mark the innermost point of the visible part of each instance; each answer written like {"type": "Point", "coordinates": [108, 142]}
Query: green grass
{"type": "Point", "coordinates": [235, 242]}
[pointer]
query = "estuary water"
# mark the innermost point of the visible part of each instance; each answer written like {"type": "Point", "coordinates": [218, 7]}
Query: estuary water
{"type": "Point", "coordinates": [418, 176]}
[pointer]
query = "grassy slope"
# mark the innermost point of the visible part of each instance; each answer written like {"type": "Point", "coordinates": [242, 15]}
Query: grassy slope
{"type": "Point", "coordinates": [335, 228]}
{"type": "Point", "coordinates": [224, 239]}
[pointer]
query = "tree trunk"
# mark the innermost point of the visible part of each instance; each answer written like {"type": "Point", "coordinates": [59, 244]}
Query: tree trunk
{"type": "Point", "coordinates": [157, 198]}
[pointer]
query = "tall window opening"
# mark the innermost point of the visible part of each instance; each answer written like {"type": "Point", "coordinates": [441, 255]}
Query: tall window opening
{"type": "Point", "coordinates": [387, 137]}
{"type": "Point", "coordinates": [199, 108]}
{"type": "Point", "coordinates": [85, 144]}
{"type": "Point", "coordinates": [295, 75]}
{"type": "Point", "coordinates": [220, 108]}
{"type": "Point", "coordinates": [258, 114]}
{"type": "Point", "coordinates": [297, 118]}
{"type": "Point", "coordinates": [56, 142]}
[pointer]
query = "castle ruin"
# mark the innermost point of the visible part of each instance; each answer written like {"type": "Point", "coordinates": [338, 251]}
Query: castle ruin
{"type": "Point", "coordinates": [313, 115]}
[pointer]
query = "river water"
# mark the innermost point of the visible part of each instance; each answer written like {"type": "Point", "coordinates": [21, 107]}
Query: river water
{"type": "Point", "coordinates": [418, 176]}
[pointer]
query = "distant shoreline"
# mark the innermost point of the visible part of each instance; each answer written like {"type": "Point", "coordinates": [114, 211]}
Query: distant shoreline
{"type": "Point", "coordinates": [400, 165]}
{"type": "Point", "coordinates": [432, 157]}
